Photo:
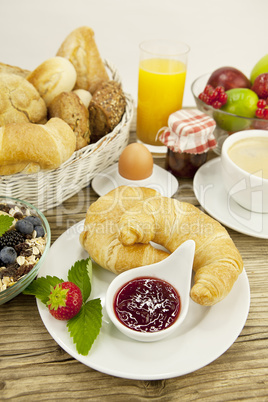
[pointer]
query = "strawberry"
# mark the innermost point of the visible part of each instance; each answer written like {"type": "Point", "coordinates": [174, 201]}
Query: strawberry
{"type": "Point", "coordinates": [65, 301]}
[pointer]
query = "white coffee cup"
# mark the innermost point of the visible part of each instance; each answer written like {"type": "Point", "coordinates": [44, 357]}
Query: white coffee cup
{"type": "Point", "coordinates": [247, 185]}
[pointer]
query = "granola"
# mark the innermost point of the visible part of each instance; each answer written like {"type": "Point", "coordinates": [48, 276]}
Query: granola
{"type": "Point", "coordinates": [28, 246]}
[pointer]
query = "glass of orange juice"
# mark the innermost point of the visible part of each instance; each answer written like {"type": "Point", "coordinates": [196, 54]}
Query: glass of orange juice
{"type": "Point", "coordinates": [162, 74]}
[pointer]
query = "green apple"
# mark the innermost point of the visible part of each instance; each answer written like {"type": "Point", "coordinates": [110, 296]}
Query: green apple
{"type": "Point", "coordinates": [259, 68]}
{"type": "Point", "coordinates": [241, 102]}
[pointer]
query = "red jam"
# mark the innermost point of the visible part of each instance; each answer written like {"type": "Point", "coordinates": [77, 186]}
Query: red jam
{"type": "Point", "coordinates": [147, 304]}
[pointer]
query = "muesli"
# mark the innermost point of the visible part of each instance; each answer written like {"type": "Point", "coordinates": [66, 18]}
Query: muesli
{"type": "Point", "coordinates": [22, 245]}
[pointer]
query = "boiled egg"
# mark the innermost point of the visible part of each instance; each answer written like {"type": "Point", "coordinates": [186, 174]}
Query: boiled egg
{"type": "Point", "coordinates": [135, 162]}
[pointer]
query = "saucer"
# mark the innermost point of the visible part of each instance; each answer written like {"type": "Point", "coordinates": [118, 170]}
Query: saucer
{"type": "Point", "coordinates": [212, 196]}
{"type": "Point", "coordinates": [160, 180]}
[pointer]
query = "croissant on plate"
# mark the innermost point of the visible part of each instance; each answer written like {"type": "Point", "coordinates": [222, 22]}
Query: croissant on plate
{"type": "Point", "coordinates": [120, 226]}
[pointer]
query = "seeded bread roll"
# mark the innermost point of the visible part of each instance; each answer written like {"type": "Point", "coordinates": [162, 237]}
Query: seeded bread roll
{"type": "Point", "coordinates": [52, 77]}
{"type": "Point", "coordinates": [20, 102]}
{"type": "Point", "coordinates": [28, 148]}
{"type": "Point", "coordinates": [69, 107]}
{"type": "Point", "coordinates": [80, 48]}
{"type": "Point", "coordinates": [106, 109]}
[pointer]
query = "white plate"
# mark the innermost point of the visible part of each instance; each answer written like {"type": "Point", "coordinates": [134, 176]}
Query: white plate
{"type": "Point", "coordinates": [206, 333]}
{"type": "Point", "coordinates": [160, 180]}
{"type": "Point", "coordinates": [211, 194]}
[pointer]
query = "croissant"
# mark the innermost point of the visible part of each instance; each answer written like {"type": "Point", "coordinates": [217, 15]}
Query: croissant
{"type": "Point", "coordinates": [166, 221]}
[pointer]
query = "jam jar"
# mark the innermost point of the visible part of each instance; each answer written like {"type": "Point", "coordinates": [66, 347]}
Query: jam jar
{"type": "Point", "coordinates": [188, 138]}
{"type": "Point", "coordinates": [183, 164]}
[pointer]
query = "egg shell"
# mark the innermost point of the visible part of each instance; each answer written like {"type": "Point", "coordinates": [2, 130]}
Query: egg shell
{"type": "Point", "coordinates": [135, 162]}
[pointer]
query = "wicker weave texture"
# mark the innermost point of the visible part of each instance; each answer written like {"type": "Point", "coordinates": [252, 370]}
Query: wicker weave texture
{"type": "Point", "coordinates": [48, 189]}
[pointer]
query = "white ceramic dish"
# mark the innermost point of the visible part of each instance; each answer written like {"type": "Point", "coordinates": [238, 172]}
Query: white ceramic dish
{"type": "Point", "coordinates": [212, 196]}
{"type": "Point", "coordinates": [176, 270]}
{"type": "Point", "coordinates": [247, 189]}
{"type": "Point", "coordinates": [161, 180]}
{"type": "Point", "coordinates": [206, 333]}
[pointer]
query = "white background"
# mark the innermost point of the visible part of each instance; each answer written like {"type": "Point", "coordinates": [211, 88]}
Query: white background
{"type": "Point", "coordinates": [219, 32]}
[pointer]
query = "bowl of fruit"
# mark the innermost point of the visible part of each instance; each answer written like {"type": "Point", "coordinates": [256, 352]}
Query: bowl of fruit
{"type": "Point", "coordinates": [236, 102]}
{"type": "Point", "coordinates": [24, 242]}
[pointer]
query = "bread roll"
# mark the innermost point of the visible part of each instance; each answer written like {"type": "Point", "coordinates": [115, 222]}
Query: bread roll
{"type": "Point", "coordinates": [6, 68]}
{"type": "Point", "coordinates": [69, 107]}
{"type": "Point", "coordinates": [106, 109]}
{"type": "Point", "coordinates": [120, 226]}
{"type": "Point", "coordinates": [28, 147]}
{"type": "Point", "coordinates": [80, 48]}
{"type": "Point", "coordinates": [52, 77]}
{"type": "Point", "coordinates": [20, 102]}
{"type": "Point", "coordinates": [84, 95]}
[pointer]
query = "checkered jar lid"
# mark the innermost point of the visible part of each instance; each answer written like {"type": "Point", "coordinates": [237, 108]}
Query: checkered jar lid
{"type": "Point", "coordinates": [190, 131]}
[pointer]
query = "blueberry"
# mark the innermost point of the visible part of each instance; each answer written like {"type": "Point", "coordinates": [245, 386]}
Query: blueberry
{"type": "Point", "coordinates": [8, 255]}
{"type": "Point", "coordinates": [24, 226]}
{"type": "Point", "coordinates": [39, 231]}
{"type": "Point", "coordinates": [34, 220]}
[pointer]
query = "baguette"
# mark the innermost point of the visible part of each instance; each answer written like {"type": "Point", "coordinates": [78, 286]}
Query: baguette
{"type": "Point", "coordinates": [28, 147]}
{"type": "Point", "coordinates": [166, 221]}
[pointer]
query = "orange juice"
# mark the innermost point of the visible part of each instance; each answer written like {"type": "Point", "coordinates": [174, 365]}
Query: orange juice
{"type": "Point", "coordinates": [160, 93]}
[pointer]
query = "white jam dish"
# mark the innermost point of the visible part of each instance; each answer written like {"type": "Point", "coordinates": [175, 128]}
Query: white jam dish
{"type": "Point", "coordinates": [175, 270]}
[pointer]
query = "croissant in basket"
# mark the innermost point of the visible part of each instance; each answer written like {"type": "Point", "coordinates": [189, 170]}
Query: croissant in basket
{"type": "Point", "coordinates": [120, 226]}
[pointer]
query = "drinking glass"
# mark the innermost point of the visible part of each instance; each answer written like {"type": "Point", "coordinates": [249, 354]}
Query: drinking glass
{"type": "Point", "coordinates": [162, 74]}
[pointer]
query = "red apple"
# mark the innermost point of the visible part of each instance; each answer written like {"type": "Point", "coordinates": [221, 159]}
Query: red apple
{"type": "Point", "coordinates": [229, 78]}
{"type": "Point", "coordinates": [260, 86]}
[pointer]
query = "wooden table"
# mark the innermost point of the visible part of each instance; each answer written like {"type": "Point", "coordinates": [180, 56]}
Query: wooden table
{"type": "Point", "coordinates": [33, 367]}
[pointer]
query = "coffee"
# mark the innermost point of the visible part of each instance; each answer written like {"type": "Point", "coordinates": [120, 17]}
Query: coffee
{"type": "Point", "coordinates": [251, 155]}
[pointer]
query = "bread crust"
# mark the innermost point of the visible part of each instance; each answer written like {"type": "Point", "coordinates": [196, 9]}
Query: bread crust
{"type": "Point", "coordinates": [28, 148]}
{"type": "Point", "coordinates": [106, 109]}
{"type": "Point", "coordinates": [20, 102]}
{"type": "Point", "coordinates": [52, 77]}
{"type": "Point", "coordinates": [69, 107]}
{"type": "Point", "coordinates": [168, 222]}
{"type": "Point", "coordinates": [81, 50]}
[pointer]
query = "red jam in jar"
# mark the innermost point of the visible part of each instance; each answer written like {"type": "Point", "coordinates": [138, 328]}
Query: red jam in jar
{"type": "Point", "coordinates": [184, 165]}
{"type": "Point", "coordinates": [147, 304]}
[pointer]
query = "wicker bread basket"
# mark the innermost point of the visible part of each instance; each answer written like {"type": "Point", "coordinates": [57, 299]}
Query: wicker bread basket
{"type": "Point", "coordinates": [48, 189]}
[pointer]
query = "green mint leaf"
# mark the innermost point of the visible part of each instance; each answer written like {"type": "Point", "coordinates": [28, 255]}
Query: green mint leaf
{"type": "Point", "coordinates": [5, 223]}
{"type": "Point", "coordinates": [80, 274]}
{"type": "Point", "coordinates": [41, 287]}
{"type": "Point", "coordinates": [85, 326]}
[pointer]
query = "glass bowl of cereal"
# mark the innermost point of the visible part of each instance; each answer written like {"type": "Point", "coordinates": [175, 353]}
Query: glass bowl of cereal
{"type": "Point", "coordinates": [25, 239]}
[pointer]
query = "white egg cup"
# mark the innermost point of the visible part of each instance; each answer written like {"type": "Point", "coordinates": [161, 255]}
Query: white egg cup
{"type": "Point", "coordinates": [160, 180]}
